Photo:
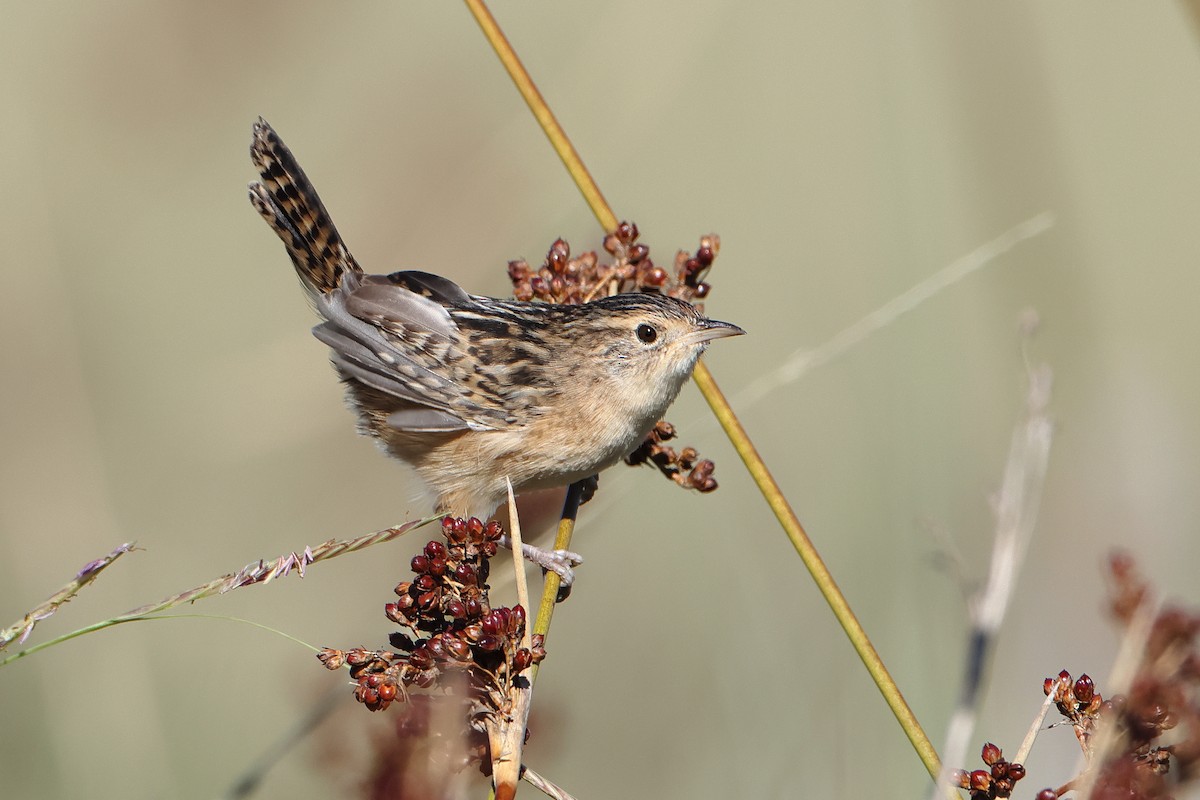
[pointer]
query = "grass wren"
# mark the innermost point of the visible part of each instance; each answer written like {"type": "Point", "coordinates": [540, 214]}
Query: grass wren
{"type": "Point", "coordinates": [470, 390]}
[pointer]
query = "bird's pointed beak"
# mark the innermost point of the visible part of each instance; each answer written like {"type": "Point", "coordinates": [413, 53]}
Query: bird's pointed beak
{"type": "Point", "coordinates": [713, 329]}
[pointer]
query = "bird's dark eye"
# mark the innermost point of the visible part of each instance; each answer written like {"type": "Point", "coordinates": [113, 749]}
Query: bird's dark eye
{"type": "Point", "coordinates": [646, 333]}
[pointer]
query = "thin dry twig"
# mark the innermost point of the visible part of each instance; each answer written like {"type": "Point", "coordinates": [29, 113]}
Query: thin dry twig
{"type": "Point", "coordinates": [800, 362]}
{"type": "Point", "coordinates": [1125, 667]}
{"type": "Point", "coordinates": [507, 733]}
{"type": "Point", "coordinates": [1034, 729]}
{"type": "Point", "coordinates": [518, 560]}
{"type": "Point", "coordinates": [550, 789]}
{"type": "Point", "coordinates": [1016, 508]}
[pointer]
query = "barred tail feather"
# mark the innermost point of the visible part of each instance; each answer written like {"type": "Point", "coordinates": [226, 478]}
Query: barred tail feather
{"type": "Point", "coordinates": [288, 202]}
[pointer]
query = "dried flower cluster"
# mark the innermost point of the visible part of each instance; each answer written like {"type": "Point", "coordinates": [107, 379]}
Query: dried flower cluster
{"type": "Point", "coordinates": [684, 467]}
{"type": "Point", "coordinates": [995, 781]}
{"type": "Point", "coordinates": [1144, 744]}
{"type": "Point", "coordinates": [1141, 745]}
{"type": "Point", "coordinates": [454, 637]}
{"type": "Point", "coordinates": [1135, 768]}
{"type": "Point", "coordinates": [1079, 703]}
{"type": "Point", "coordinates": [563, 279]}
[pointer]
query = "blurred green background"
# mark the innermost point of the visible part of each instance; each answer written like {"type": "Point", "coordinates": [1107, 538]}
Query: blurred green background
{"type": "Point", "coordinates": [160, 385]}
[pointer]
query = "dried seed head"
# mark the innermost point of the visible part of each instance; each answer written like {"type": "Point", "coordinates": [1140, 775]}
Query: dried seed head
{"type": "Point", "coordinates": [332, 659]}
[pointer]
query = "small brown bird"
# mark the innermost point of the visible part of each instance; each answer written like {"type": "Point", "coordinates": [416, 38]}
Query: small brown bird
{"type": "Point", "coordinates": [470, 390]}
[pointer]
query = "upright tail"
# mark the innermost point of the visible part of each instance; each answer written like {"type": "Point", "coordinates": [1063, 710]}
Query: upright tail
{"type": "Point", "coordinates": [290, 205]}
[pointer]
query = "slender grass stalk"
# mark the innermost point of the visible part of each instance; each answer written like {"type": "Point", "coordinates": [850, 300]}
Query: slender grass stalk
{"type": "Point", "coordinates": [816, 567]}
{"type": "Point", "coordinates": [562, 541]}
{"type": "Point", "coordinates": [20, 630]}
{"type": "Point", "coordinates": [506, 734]}
{"type": "Point", "coordinates": [542, 113]}
{"type": "Point", "coordinates": [541, 624]}
{"type": "Point", "coordinates": [253, 573]}
{"type": "Point", "coordinates": [724, 413]}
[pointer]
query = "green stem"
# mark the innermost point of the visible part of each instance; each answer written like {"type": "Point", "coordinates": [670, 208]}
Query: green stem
{"type": "Point", "coordinates": [114, 621]}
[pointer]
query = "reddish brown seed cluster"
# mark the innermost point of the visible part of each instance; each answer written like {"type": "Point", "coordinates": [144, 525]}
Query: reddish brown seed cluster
{"type": "Point", "coordinates": [995, 781]}
{"type": "Point", "coordinates": [1125, 733]}
{"type": "Point", "coordinates": [453, 633]}
{"type": "Point", "coordinates": [637, 272]}
{"type": "Point", "coordinates": [1164, 695]}
{"type": "Point", "coordinates": [1078, 702]}
{"type": "Point", "coordinates": [685, 467]}
{"type": "Point", "coordinates": [1134, 768]}
{"type": "Point", "coordinates": [563, 279]}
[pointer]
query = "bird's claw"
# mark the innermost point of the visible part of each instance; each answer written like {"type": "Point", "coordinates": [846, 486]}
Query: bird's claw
{"type": "Point", "coordinates": [560, 562]}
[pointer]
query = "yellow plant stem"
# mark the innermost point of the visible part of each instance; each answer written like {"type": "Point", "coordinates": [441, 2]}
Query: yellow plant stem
{"type": "Point", "coordinates": [724, 413]}
{"type": "Point", "coordinates": [545, 117]}
{"type": "Point", "coordinates": [562, 541]}
{"type": "Point", "coordinates": [816, 567]}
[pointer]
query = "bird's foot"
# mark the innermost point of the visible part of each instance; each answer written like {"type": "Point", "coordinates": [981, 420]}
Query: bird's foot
{"type": "Point", "coordinates": [561, 562]}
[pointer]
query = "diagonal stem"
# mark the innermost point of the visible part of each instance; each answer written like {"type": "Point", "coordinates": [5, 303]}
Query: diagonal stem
{"type": "Point", "coordinates": [721, 408]}
{"type": "Point", "coordinates": [816, 566]}
{"type": "Point", "coordinates": [562, 541]}
{"type": "Point", "coordinates": [544, 116]}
